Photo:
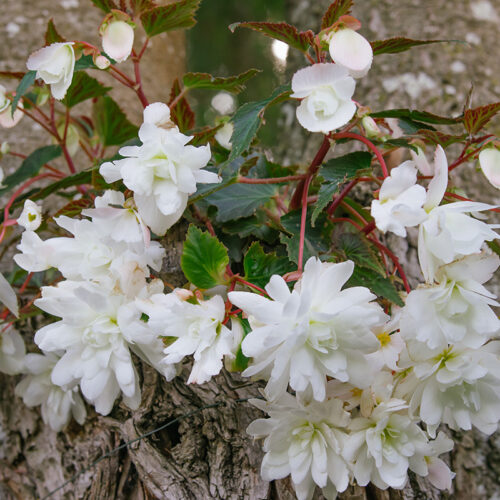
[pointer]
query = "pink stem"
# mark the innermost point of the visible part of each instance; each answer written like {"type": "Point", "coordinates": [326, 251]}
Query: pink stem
{"type": "Point", "coordinates": [303, 218]}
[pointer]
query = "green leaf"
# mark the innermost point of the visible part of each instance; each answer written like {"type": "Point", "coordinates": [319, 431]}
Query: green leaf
{"type": "Point", "coordinates": [74, 208]}
{"type": "Point", "coordinates": [335, 11]}
{"type": "Point", "coordinates": [412, 127]}
{"type": "Point", "coordinates": [85, 62]}
{"type": "Point", "coordinates": [51, 35]}
{"type": "Point", "coordinates": [378, 284]}
{"type": "Point", "coordinates": [139, 6]}
{"type": "Point", "coordinates": [398, 143]}
{"type": "Point", "coordinates": [241, 361]}
{"type": "Point", "coordinates": [83, 87]}
{"type": "Point", "coordinates": [111, 124]}
{"type": "Point", "coordinates": [256, 226]}
{"type": "Point", "coordinates": [181, 114]}
{"type": "Point", "coordinates": [30, 166]}
{"type": "Point", "coordinates": [355, 246]}
{"type": "Point", "coordinates": [234, 84]}
{"type": "Point", "coordinates": [422, 116]}
{"type": "Point", "coordinates": [173, 16]}
{"type": "Point", "coordinates": [316, 239]}
{"type": "Point", "coordinates": [259, 266]}
{"type": "Point", "coordinates": [436, 137]}
{"type": "Point", "coordinates": [105, 5]}
{"type": "Point", "coordinates": [284, 32]}
{"type": "Point", "coordinates": [84, 177]}
{"type": "Point", "coordinates": [248, 118]}
{"type": "Point", "coordinates": [477, 118]}
{"type": "Point", "coordinates": [335, 172]}
{"type": "Point", "coordinates": [204, 259]}
{"type": "Point", "coordinates": [240, 200]}
{"type": "Point", "coordinates": [400, 44]}
{"type": "Point", "coordinates": [27, 81]}
{"type": "Point", "coordinates": [205, 135]}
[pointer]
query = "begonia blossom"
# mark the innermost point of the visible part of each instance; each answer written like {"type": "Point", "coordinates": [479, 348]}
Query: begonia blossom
{"type": "Point", "coordinates": [351, 50]}
{"type": "Point", "coordinates": [58, 404]}
{"type": "Point", "coordinates": [117, 39]}
{"type": "Point", "coordinates": [326, 91]}
{"type": "Point", "coordinates": [304, 440]}
{"type": "Point", "coordinates": [55, 65]}
{"type": "Point", "coordinates": [489, 161]}
{"type": "Point", "coordinates": [163, 171]}
{"type": "Point", "coordinates": [6, 118]}
{"type": "Point", "coordinates": [31, 216]}
{"type": "Point", "coordinates": [317, 330]}
{"type": "Point", "coordinates": [12, 351]}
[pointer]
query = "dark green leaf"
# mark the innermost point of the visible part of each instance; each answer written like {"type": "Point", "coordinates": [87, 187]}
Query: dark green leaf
{"type": "Point", "coordinates": [355, 246]}
{"type": "Point", "coordinates": [280, 31]}
{"type": "Point", "coordinates": [181, 113]}
{"type": "Point", "coordinates": [412, 127]}
{"type": "Point", "coordinates": [378, 284]}
{"type": "Point", "coordinates": [204, 135]}
{"type": "Point", "coordinates": [77, 179]}
{"type": "Point", "coordinates": [436, 137]}
{"type": "Point", "coordinates": [27, 81]}
{"type": "Point", "coordinates": [234, 84]}
{"type": "Point", "coordinates": [83, 87]}
{"type": "Point", "coordinates": [266, 169]}
{"type": "Point", "coordinates": [74, 208]}
{"type": "Point", "coordinates": [259, 266]}
{"type": "Point", "coordinates": [51, 35]}
{"type": "Point", "coordinates": [317, 238]}
{"type": "Point", "coordinates": [494, 246]}
{"type": "Point", "coordinates": [204, 259]}
{"type": "Point", "coordinates": [85, 62]}
{"type": "Point", "coordinates": [105, 5]}
{"type": "Point", "coordinates": [335, 172]}
{"type": "Point", "coordinates": [111, 124]}
{"type": "Point", "coordinates": [30, 167]}
{"type": "Point", "coordinates": [255, 225]}
{"type": "Point", "coordinates": [173, 16]}
{"type": "Point", "coordinates": [240, 200]}
{"type": "Point", "coordinates": [400, 143]}
{"type": "Point", "coordinates": [399, 44]}
{"type": "Point", "coordinates": [248, 118]}
{"type": "Point", "coordinates": [139, 6]}
{"type": "Point", "coordinates": [337, 9]}
{"type": "Point", "coordinates": [422, 116]}
{"type": "Point", "coordinates": [477, 118]}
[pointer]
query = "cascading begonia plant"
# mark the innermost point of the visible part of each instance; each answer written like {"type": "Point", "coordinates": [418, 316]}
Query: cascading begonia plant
{"type": "Point", "coordinates": [359, 369]}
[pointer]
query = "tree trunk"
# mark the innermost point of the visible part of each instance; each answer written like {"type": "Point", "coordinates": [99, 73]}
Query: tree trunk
{"type": "Point", "coordinates": [204, 452]}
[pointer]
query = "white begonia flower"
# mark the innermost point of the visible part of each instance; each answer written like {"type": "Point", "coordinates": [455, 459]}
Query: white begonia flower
{"type": "Point", "coordinates": [191, 329]}
{"type": "Point", "coordinates": [489, 161]}
{"type": "Point", "coordinates": [94, 334]}
{"type": "Point", "coordinates": [448, 233]}
{"type": "Point", "coordinates": [326, 91]}
{"type": "Point", "coordinates": [31, 216]}
{"type": "Point", "coordinates": [306, 441]}
{"type": "Point", "coordinates": [391, 345]}
{"type": "Point", "coordinates": [117, 39]}
{"type": "Point", "coordinates": [457, 386]}
{"type": "Point", "coordinates": [315, 331]}
{"type": "Point", "coordinates": [352, 51]}
{"type": "Point", "coordinates": [12, 351]}
{"type": "Point", "coordinates": [455, 310]}
{"type": "Point", "coordinates": [383, 447]}
{"type": "Point", "coordinates": [440, 475]}
{"type": "Point", "coordinates": [6, 118]}
{"type": "Point", "coordinates": [224, 134]}
{"type": "Point", "coordinates": [58, 404]}
{"type": "Point", "coordinates": [8, 297]}
{"type": "Point", "coordinates": [400, 201]}
{"type": "Point", "coordinates": [54, 65]}
{"type": "Point", "coordinates": [163, 172]}
{"type": "Point", "coordinates": [421, 162]}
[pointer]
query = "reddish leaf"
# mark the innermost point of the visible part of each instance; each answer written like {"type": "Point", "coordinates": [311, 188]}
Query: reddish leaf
{"type": "Point", "coordinates": [337, 9]}
{"type": "Point", "coordinates": [234, 84]}
{"type": "Point", "coordinates": [477, 118]}
{"type": "Point", "coordinates": [139, 6]}
{"type": "Point", "coordinates": [285, 32]}
{"type": "Point", "coordinates": [181, 113]}
{"type": "Point", "coordinates": [105, 5]}
{"type": "Point", "coordinates": [15, 75]}
{"type": "Point", "coordinates": [434, 137]}
{"type": "Point", "coordinates": [51, 35]}
{"type": "Point", "coordinates": [74, 208]}
{"type": "Point", "coordinates": [170, 17]}
{"type": "Point", "coordinates": [399, 44]}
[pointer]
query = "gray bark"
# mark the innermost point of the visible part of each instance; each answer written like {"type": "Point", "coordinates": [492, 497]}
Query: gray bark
{"type": "Point", "coordinates": [207, 454]}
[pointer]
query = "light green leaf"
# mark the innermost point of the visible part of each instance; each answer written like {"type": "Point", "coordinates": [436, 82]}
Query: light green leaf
{"type": "Point", "coordinates": [204, 259]}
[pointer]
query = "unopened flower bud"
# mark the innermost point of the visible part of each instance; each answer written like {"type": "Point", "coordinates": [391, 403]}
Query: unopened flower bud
{"type": "Point", "coordinates": [5, 148]}
{"type": "Point", "coordinates": [371, 128]}
{"type": "Point", "coordinates": [351, 50]}
{"type": "Point", "coordinates": [72, 137]}
{"type": "Point", "coordinates": [183, 294]}
{"type": "Point", "coordinates": [6, 118]}
{"type": "Point", "coordinates": [489, 161]}
{"type": "Point", "coordinates": [223, 135]}
{"type": "Point", "coordinates": [102, 62]}
{"type": "Point", "coordinates": [117, 39]}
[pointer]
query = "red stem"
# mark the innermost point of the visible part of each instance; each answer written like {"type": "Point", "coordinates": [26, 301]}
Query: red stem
{"type": "Point", "coordinates": [336, 202]}
{"type": "Point", "coordinates": [364, 140]}
{"type": "Point", "coordinates": [313, 168]}
{"type": "Point", "coordinates": [247, 283]}
{"type": "Point", "coordinates": [303, 218]}
{"type": "Point", "coordinates": [275, 180]}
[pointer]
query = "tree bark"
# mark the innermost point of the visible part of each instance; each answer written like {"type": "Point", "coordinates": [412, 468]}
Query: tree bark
{"type": "Point", "coordinates": [206, 454]}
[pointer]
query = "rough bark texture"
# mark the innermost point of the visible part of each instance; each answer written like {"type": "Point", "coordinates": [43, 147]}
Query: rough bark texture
{"type": "Point", "coordinates": [206, 454]}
